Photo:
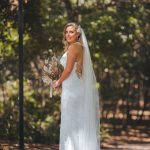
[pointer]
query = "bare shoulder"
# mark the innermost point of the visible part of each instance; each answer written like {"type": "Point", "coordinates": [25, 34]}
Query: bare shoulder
{"type": "Point", "coordinates": [78, 45]}
{"type": "Point", "coordinates": [75, 47]}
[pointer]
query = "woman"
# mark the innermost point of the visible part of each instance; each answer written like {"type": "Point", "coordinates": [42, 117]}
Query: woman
{"type": "Point", "coordinates": [79, 100]}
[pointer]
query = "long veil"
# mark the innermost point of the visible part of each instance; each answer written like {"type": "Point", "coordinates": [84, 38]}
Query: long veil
{"type": "Point", "coordinates": [91, 110]}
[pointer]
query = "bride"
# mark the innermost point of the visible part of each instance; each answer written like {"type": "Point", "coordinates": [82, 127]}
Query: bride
{"type": "Point", "coordinates": [79, 99]}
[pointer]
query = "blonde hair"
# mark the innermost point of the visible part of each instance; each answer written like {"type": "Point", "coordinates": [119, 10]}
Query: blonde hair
{"type": "Point", "coordinates": [77, 28]}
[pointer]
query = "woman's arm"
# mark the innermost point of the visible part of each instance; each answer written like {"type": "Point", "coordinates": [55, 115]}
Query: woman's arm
{"type": "Point", "coordinates": [71, 58]}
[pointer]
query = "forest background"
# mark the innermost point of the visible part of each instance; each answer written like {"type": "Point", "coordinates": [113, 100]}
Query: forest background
{"type": "Point", "coordinates": [119, 40]}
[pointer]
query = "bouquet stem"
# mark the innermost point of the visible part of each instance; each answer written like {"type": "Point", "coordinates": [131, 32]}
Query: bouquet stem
{"type": "Point", "coordinates": [51, 89]}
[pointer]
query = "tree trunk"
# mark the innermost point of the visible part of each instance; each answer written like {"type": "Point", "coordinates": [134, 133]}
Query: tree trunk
{"type": "Point", "coordinates": [69, 9]}
{"type": "Point", "coordinates": [144, 107]}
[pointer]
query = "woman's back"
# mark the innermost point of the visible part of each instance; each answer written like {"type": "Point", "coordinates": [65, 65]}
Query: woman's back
{"type": "Point", "coordinates": [74, 80]}
{"type": "Point", "coordinates": [79, 59]}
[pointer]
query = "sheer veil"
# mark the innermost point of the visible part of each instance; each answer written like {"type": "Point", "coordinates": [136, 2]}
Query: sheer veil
{"type": "Point", "coordinates": [91, 110]}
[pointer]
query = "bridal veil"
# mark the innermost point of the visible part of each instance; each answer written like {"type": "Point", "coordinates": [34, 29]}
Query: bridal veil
{"type": "Point", "coordinates": [91, 110]}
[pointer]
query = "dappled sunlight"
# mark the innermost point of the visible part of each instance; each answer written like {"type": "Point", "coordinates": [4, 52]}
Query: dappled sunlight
{"type": "Point", "coordinates": [119, 40]}
{"type": "Point", "coordinates": [139, 136]}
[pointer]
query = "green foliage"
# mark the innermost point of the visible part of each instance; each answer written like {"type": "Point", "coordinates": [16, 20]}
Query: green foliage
{"type": "Point", "coordinates": [104, 133]}
{"type": "Point", "coordinates": [119, 40]}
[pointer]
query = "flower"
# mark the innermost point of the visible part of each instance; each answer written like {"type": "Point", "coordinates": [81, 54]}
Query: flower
{"type": "Point", "coordinates": [51, 70]}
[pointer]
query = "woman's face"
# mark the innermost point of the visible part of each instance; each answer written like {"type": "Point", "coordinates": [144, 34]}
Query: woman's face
{"type": "Point", "coordinates": [71, 35]}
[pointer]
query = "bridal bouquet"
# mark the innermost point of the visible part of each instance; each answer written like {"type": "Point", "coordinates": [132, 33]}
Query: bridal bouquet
{"type": "Point", "coordinates": [51, 70]}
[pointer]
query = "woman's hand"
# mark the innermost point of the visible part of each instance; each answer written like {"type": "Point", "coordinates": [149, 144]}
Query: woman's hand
{"type": "Point", "coordinates": [56, 83]}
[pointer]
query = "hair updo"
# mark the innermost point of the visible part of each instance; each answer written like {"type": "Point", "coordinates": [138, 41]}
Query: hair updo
{"type": "Point", "coordinates": [77, 28]}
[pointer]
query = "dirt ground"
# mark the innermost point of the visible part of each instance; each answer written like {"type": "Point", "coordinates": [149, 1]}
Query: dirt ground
{"type": "Point", "coordinates": [118, 146]}
{"type": "Point", "coordinates": [132, 139]}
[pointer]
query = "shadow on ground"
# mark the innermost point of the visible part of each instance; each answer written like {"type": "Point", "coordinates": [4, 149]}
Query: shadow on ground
{"type": "Point", "coordinates": [133, 138]}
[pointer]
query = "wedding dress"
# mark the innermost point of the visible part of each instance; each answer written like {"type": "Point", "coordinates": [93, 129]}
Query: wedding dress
{"type": "Point", "coordinates": [79, 128]}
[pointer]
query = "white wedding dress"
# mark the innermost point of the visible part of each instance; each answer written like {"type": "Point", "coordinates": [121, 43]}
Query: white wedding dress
{"type": "Point", "coordinates": [74, 135]}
